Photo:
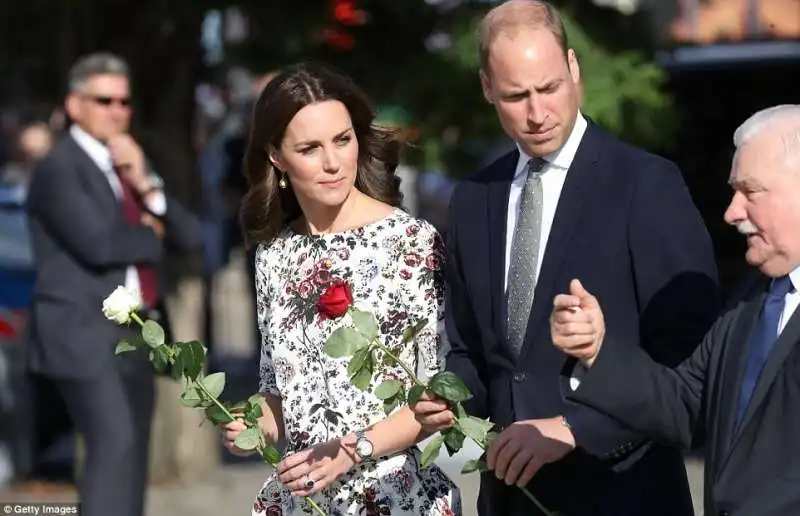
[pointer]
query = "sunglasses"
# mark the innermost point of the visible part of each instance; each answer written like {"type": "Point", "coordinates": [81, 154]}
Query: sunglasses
{"type": "Point", "coordinates": [107, 101]}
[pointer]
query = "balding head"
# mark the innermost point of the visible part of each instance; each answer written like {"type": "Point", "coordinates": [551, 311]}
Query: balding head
{"type": "Point", "coordinates": [509, 17]}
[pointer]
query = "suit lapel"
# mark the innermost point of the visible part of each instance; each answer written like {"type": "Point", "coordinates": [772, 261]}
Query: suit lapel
{"type": "Point", "coordinates": [732, 373]}
{"type": "Point", "coordinates": [97, 178]}
{"type": "Point", "coordinates": [786, 342]}
{"type": "Point", "coordinates": [580, 176]}
{"type": "Point", "coordinates": [498, 218]}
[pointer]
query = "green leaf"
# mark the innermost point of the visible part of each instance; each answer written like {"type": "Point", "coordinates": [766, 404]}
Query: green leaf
{"type": "Point", "coordinates": [365, 323]}
{"type": "Point", "coordinates": [159, 359]}
{"type": "Point", "coordinates": [249, 439]}
{"type": "Point", "coordinates": [253, 412]}
{"type": "Point", "coordinates": [412, 331]}
{"type": "Point", "coordinates": [358, 361]}
{"type": "Point", "coordinates": [271, 455]}
{"type": "Point", "coordinates": [214, 384]}
{"type": "Point", "coordinates": [153, 334]}
{"type": "Point", "coordinates": [190, 359]}
{"type": "Point", "coordinates": [216, 415]}
{"type": "Point", "coordinates": [388, 389]}
{"type": "Point", "coordinates": [474, 465]}
{"type": "Point", "coordinates": [414, 394]}
{"type": "Point", "coordinates": [390, 404]}
{"type": "Point", "coordinates": [191, 398]}
{"type": "Point", "coordinates": [475, 428]}
{"type": "Point", "coordinates": [431, 451]}
{"type": "Point", "coordinates": [460, 412]}
{"type": "Point", "coordinates": [125, 346]}
{"type": "Point", "coordinates": [449, 386]}
{"type": "Point", "coordinates": [363, 378]}
{"type": "Point", "coordinates": [491, 436]}
{"type": "Point", "coordinates": [344, 342]}
{"type": "Point", "coordinates": [454, 440]}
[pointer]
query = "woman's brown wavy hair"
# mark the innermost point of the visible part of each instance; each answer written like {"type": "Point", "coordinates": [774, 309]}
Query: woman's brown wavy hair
{"type": "Point", "coordinates": [266, 208]}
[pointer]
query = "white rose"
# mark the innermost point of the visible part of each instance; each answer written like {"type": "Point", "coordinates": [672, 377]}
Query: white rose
{"type": "Point", "coordinates": [118, 306]}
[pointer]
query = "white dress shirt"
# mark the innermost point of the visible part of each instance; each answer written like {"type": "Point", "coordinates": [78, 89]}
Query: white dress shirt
{"type": "Point", "coordinates": [100, 155]}
{"type": "Point", "coordinates": [792, 300]}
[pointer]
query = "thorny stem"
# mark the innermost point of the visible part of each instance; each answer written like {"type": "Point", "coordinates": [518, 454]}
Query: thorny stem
{"type": "Point", "coordinates": [399, 362]}
{"type": "Point", "coordinates": [230, 416]}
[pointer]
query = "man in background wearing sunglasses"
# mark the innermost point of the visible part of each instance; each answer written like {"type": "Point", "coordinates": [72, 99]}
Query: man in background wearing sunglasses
{"type": "Point", "coordinates": [99, 219]}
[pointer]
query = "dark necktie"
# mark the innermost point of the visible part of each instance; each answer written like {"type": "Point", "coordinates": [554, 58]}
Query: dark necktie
{"type": "Point", "coordinates": [762, 339]}
{"type": "Point", "coordinates": [146, 272]}
{"type": "Point", "coordinates": [524, 256]}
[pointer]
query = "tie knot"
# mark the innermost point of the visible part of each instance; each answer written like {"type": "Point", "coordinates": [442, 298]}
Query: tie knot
{"type": "Point", "coordinates": [781, 286]}
{"type": "Point", "coordinates": [535, 165]}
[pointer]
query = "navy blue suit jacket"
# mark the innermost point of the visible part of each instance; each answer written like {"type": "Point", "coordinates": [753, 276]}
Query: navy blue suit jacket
{"type": "Point", "coordinates": [626, 226]}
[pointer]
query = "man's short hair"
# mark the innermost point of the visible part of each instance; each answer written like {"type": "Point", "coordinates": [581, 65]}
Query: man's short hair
{"type": "Point", "coordinates": [784, 119]}
{"type": "Point", "coordinates": [100, 63]}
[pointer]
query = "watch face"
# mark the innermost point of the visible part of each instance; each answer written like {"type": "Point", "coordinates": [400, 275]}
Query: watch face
{"type": "Point", "coordinates": [364, 448]}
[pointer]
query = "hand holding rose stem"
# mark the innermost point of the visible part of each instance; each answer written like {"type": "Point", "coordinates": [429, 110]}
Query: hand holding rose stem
{"type": "Point", "coordinates": [360, 342]}
{"type": "Point", "coordinates": [186, 360]}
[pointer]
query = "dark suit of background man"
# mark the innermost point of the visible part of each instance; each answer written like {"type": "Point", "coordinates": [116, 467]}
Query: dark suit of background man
{"type": "Point", "coordinates": [98, 221]}
{"type": "Point", "coordinates": [739, 393]}
{"type": "Point", "coordinates": [570, 201]}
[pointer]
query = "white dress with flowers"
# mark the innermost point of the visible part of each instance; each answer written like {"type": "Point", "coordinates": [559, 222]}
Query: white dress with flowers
{"type": "Point", "coordinates": [394, 268]}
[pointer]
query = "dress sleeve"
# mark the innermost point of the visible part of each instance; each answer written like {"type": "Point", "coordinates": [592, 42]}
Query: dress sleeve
{"type": "Point", "coordinates": [267, 383]}
{"type": "Point", "coordinates": [427, 303]}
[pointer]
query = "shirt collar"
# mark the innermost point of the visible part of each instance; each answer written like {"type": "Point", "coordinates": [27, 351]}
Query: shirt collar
{"type": "Point", "coordinates": [93, 147]}
{"type": "Point", "coordinates": [561, 158]}
{"type": "Point", "coordinates": [795, 277]}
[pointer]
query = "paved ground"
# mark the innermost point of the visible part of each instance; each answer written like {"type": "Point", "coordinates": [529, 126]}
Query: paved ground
{"type": "Point", "coordinates": [229, 492]}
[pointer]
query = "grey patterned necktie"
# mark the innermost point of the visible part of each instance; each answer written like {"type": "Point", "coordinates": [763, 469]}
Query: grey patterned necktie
{"type": "Point", "coordinates": [524, 256]}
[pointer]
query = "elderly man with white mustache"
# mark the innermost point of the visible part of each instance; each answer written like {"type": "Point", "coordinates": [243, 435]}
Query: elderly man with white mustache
{"type": "Point", "coordinates": [738, 395]}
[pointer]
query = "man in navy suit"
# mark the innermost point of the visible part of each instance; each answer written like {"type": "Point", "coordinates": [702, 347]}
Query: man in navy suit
{"type": "Point", "coordinates": [570, 201]}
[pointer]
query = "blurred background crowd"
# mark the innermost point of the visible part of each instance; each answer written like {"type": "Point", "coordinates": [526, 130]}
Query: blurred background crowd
{"type": "Point", "coordinates": [673, 76]}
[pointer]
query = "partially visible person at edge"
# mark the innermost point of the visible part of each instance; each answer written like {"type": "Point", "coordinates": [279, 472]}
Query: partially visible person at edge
{"type": "Point", "coordinates": [739, 393]}
{"type": "Point", "coordinates": [100, 218]}
{"type": "Point", "coordinates": [571, 200]}
{"type": "Point", "coordinates": [322, 206]}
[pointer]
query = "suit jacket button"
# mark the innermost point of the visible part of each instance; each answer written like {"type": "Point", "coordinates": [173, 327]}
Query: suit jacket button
{"type": "Point", "coordinates": [519, 377]}
{"type": "Point", "coordinates": [724, 513]}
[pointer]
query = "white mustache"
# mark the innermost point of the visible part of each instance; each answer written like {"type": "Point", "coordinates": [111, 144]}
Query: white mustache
{"type": "Point", "coordinates": [746, 228]}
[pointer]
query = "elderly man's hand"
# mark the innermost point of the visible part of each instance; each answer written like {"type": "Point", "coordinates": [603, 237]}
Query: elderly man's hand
{"type": "Point", "coordinates": [576, 324]}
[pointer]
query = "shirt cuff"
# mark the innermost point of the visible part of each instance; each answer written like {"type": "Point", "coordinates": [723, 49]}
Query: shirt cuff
{"type": "Point", "coordinates": [577, 375]}
{"type": "Point", "coordinates": [157, 203]}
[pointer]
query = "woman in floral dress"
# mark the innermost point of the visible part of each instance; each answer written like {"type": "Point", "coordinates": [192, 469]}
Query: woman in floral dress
{"type": "Point", "coordinates": [323, 208]}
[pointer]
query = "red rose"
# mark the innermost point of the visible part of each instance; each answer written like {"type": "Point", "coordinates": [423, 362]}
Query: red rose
{"type": "Point", "coordinates": [336, 299]}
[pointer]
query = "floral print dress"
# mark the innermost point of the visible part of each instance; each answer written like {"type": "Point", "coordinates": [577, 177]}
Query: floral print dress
{"type": "Point", "coordinates": [394, 268]}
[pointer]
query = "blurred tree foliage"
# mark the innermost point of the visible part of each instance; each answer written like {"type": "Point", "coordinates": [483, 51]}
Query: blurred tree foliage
{"type": "Point", "coordinates": [421, 55]}
{"type": "Point", "coordinates": [623, 90]}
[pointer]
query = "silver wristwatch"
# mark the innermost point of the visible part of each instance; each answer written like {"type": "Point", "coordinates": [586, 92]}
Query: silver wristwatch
{"type": "Point", "coordinates": [364, 446]}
